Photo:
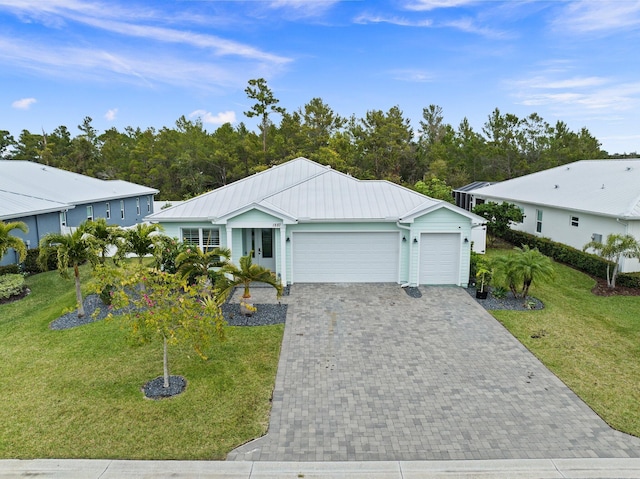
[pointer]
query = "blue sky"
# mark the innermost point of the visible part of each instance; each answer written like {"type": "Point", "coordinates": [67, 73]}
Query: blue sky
{"type": "Point", "coordinates": [146, 63]}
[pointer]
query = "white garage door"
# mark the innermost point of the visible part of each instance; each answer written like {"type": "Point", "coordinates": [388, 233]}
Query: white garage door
{"type": "Point", "coordinates": [440, 258]}
{"type": "Point", "coordinates": [345, 257]}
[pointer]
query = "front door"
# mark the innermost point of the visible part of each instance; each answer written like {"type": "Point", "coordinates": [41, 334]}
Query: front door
{"type": "Point", "coordinates": [260, 241]}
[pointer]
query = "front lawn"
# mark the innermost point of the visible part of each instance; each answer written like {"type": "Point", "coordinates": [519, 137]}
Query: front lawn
{"type": "Point", "coordinates": [76, 393]}
{"type": "Point", "coordinates": [592, 343]}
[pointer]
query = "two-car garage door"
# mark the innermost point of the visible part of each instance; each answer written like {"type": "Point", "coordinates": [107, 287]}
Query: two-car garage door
{"type": "Point", "coordinates": [345, 257]}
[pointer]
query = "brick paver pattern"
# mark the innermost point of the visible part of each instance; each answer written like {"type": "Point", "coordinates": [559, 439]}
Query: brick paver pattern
{"type": "Point", "coordinates": [368, 373]}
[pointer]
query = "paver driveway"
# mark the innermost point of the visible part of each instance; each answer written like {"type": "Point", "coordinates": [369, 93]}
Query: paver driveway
{"type": "Point", "coordinates": [369, 373]}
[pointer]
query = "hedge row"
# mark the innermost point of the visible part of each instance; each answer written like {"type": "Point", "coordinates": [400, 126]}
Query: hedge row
{"type": "Point", "coordinates": [588, 263]}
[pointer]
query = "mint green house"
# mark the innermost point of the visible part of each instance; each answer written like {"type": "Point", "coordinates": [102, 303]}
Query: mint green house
{"type": "Point", "coordinates": [311, 224]}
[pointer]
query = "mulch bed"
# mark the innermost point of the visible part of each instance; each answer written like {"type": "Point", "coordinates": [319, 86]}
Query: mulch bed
{"type": "Point", "coordinates": [601, 289]}
{"type": "Point", "coordinates": [16, 297]}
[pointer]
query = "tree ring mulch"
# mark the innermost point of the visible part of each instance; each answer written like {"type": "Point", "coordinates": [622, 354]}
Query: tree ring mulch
{"type": "Point", "coordinates": [602, 289]}
{"type": "Point", "coordinates": [413, 292]}
{"type": "Point", "coordinates": [155, 389]}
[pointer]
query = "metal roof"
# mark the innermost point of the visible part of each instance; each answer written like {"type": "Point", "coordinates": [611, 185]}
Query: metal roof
{"type": "Point", "coordinates": [603, 187]}
{"type": "Point", "coordinates": [28, 188]}
{"type": "Point", "coordinates": [306, 191]}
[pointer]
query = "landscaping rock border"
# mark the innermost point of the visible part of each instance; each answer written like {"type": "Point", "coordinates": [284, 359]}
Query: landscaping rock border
{"type": "Point", "coordinates": [509, 302]}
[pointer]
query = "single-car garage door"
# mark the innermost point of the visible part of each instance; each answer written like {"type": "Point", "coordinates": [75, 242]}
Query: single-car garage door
{"type": "Point", "coordinates": [345, 257]}
{"type": "Point", "coordinates": [440, 258]}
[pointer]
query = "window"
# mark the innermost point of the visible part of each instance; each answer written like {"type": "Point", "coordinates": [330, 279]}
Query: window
{"type": "Point", "coordinates": [204, 238]}
{"type": "Point", "coordinates": [148, 204]}
{"type": "Point", "coordinates": [575, 220]}
{"type": "Point", "coordinates": [90, 213]}
{"type": "Point", "coordinates": [108, 210]}
{"type": "Point", "coordinates": [539, 221]}
{"type": "Point", "coordinates": [122, 209]}
{"type": "Point", "coordinates": [596, 237]}
{"type": "Point", "coordinates": [210, 239]}
{"type": "Point", "coordinates": [138, 206]}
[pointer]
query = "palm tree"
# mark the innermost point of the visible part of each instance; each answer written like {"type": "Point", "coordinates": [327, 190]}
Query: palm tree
{"type": "Point", "coordinates": [72, 249]}
{"type": "Point", "coordinates": [103, 235]}
{"type": "Point", "coordinates": [193, 263]}
{"type": "Point", "coordinates": [8, 241]}
{"type": "Point", "coordinates": [139, 240]}
{"type": "Point", "coordinates": [615, 248]}
{"type": "Point", "coordinates": [246, 274]}
{"type": "Point", "coordinates": [524, 267]}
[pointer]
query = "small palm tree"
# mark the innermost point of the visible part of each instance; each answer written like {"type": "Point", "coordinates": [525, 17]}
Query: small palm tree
{"type": "Point", "coordinates": [524, 267]}
{"type": "Point", "coordinates": [193, 263]}
{"type": "Point", "coordinates": [8, 241]}
{"type": "Point", "coordinates": [246, 274]}
{"type": "Point", "coordinates": [71, 250]}
{"type": "Point", "coordinates": [103, 235]}
{"type": "Point", "coordinates": [615, 248]}
{"type": "Point", "coordinates": [140, 240]}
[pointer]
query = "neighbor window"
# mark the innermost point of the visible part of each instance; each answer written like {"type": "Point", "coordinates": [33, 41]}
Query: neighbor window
{"type": "Point", "coordinates": [575, 220]}
{"type": "Point", "coordinates": [108, 210]}
{"type": "Point", "coordinates": [204, 238]}
{"type": "Point", "coordinates": [138, 206]}
{"type": "Point", "coordinates": [539, 221]}
{"type": "Point", "coordinates": [122, 209]}
{"type": "Point", "coordinates": [90, 213]}
{"type": "Point", "coordinates": [596, 237]}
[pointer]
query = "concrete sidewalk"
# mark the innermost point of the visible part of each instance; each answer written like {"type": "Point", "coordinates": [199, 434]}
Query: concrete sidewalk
{"type": "Point", "coordinates": [495, 469]}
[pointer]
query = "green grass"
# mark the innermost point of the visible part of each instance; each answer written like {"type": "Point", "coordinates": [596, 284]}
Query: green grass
{"type": "Point", "coordinates": [591, 343]}
{"type": "Point", "coordinates": [76, 393]}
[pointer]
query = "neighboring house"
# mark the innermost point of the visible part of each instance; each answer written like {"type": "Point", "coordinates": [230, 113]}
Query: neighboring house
{"type": "Point", "coordinates": [309, 224]}
{"type": "Point", "coordinates": [576, 203]}
{"type": "Point", "coordinates": [51, 200]}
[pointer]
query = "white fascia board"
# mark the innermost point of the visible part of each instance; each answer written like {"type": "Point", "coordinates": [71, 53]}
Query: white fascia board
{"type": "Point", "coordinates": [269, 210]}
{"type": "Point", "coordinates": [443, 204]}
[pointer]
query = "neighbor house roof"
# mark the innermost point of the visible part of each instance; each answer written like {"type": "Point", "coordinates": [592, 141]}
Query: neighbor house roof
{"type": "Point", "coordinates": [28, 188]}
{"type": "Point", "coordinates": [603, 187]}
{"type": "Point", "coordinates": [304, 191]}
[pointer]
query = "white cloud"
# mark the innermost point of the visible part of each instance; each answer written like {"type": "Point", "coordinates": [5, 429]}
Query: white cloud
{"type": "Point", "coordinates": [108, 17]}
{"type": "Point", "coordinates": [598, 16]}
{"type": "Point", "coordinates": [578, 95]}
{"type": "Point", "coordinates": [219, 119]}
{"type": "Point", "coordinates": [111, 114]}
{"type": "Point", "coordinates": [402, 22]}
{"type": "Point", "coordinates": [134, 67]}
{"type": "Point", "coordinates": [23, 103]}
{"type": "Point", "coordinates": [426, 5]}
{"type": "Point", "coordinates": [412, 75]}
{"type": "Point", "coordinates": [304, 8]}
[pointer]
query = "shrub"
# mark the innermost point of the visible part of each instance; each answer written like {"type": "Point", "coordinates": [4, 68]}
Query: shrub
{"type": "Point", "coordinates": [30, 264]}
{"type": "Point", "coordinates": [628, 280]}
{"type": "Point", "coordinates": [11, 285]}
{"type": "Point", "coordinates": [586, 262]}
{"type": "Point", "coordinates": [9, 269]}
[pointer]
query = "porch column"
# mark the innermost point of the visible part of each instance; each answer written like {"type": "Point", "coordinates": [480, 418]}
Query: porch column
{"type": "Point", "coordinates": [230, 241]}
{"type": "Point", "coordinates": [283, 254]}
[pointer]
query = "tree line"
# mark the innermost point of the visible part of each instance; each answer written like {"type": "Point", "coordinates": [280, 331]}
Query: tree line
{"type": "Point", "coordinates": [186, 160]}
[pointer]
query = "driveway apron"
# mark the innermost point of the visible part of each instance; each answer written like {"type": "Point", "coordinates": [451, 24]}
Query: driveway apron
{"type": "Point", "coordinates": [368, 373]}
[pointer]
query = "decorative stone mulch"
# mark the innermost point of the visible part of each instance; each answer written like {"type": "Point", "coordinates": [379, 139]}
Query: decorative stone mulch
{"type": "Point", "coordinates": [155, 389]}
{"type": "Point", "coordinates": [508, 302]}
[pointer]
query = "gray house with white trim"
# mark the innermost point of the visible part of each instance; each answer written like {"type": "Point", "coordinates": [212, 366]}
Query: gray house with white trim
{"type": "Point", "coordinates": [576, 203]}
{"type": "Point", "coordinates": [50, 200]}
{"type": "Point", "coordinates": [309, 223]}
